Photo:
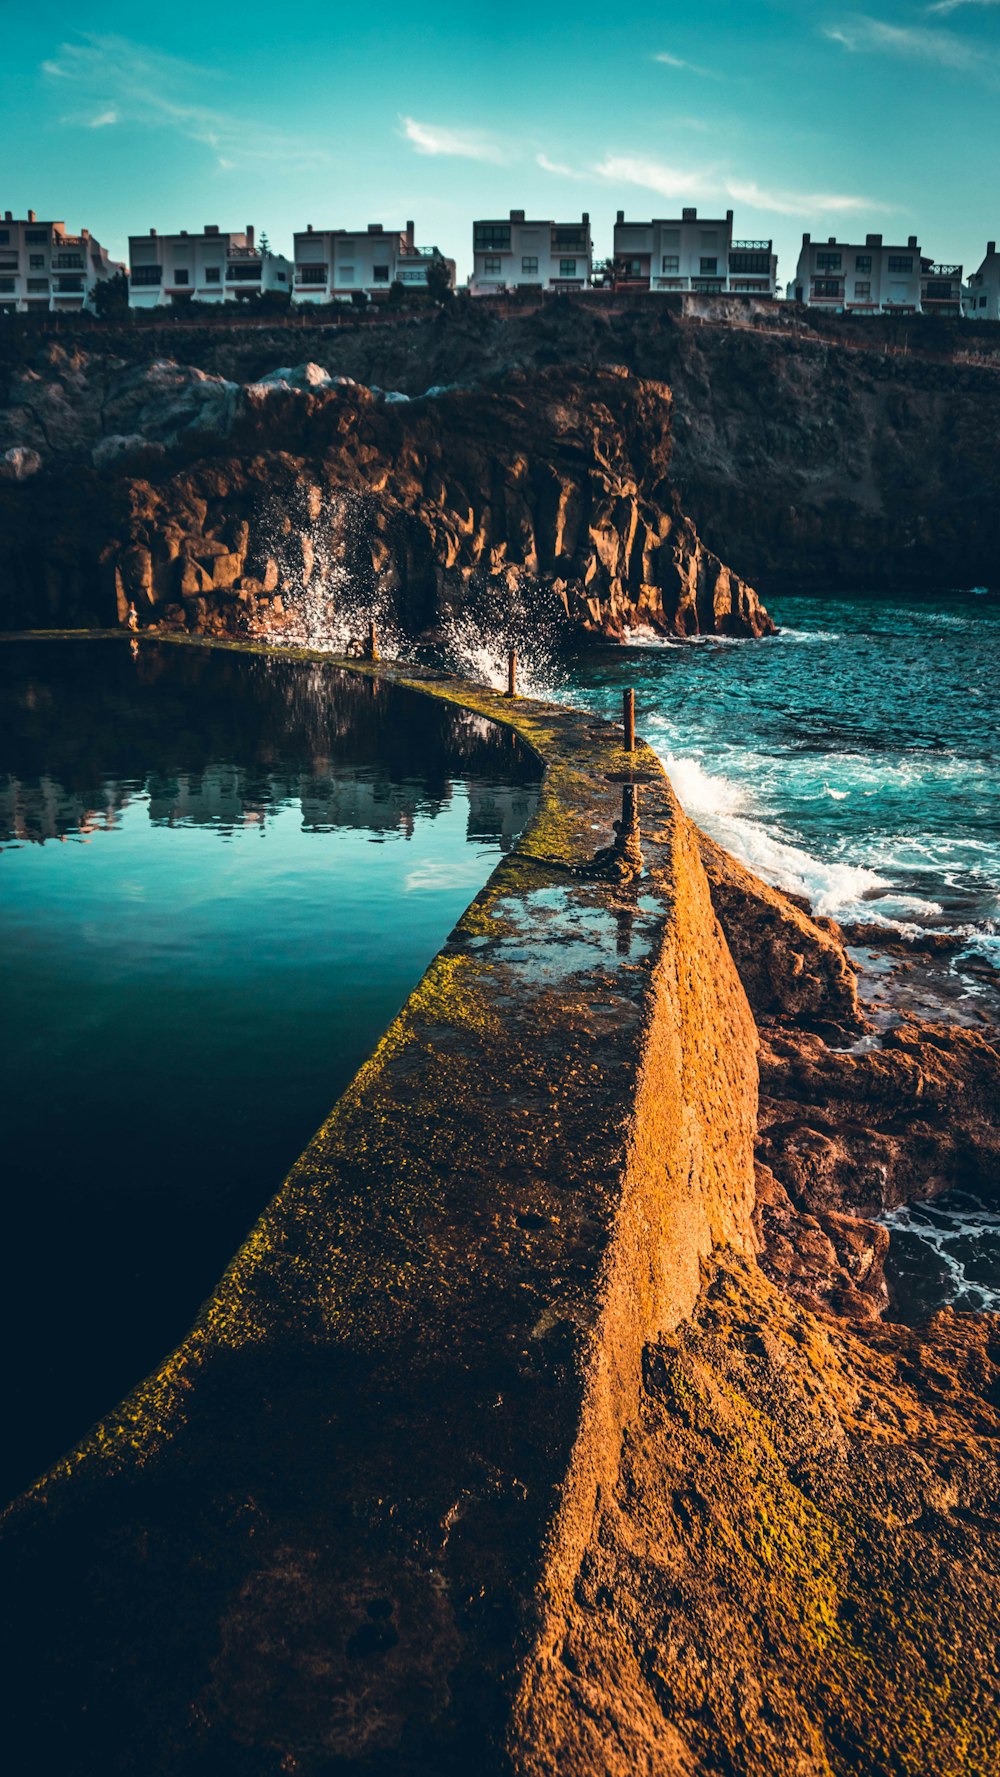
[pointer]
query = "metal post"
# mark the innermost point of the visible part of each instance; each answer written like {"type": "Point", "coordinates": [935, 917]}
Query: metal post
{"type": "Point", "coordinates": [628, 703]}
{"type": "Point", "coordinates": [512, 673]}
{"type": "Point", "coordinates": [372, 641]}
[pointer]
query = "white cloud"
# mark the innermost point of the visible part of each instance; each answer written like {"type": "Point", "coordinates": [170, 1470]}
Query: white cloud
{"type": "Point", "coordinates": [670, 61]}
{"type": "Point", "coordinates": [859, 34]}
{"type": "Point", "coordinates": [132, 84]}
{"type": "Point", "coordinates": [653, 175]}
{"type": "Point", "coordinates": [946, 6]}
{"type": "Point", "coordinates": [797, 203]}
{"type": "Point", "coordinates": [431, 138]}
{"type": "Point", "coordinates": [560, 167]}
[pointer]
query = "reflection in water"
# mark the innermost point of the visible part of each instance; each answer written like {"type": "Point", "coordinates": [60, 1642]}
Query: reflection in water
{"type": "Point", "coordinates": [259, 859]}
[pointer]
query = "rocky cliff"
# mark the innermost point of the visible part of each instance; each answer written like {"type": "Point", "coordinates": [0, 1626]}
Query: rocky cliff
{"type": "Point", "coordinates": [856, 453]}
{"type": "Point", "coordinates": [222, 507]}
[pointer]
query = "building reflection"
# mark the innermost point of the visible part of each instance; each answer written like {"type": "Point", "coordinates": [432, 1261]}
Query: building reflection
{"type": "Point", "coordinates": [227, 741]}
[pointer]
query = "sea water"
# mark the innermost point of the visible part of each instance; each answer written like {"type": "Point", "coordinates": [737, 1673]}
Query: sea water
{"type": "Point", "coordinates": [854, 759]}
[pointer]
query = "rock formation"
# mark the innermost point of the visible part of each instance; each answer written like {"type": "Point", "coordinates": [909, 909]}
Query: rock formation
{"type": "Point", "coordinates": [221, 507]}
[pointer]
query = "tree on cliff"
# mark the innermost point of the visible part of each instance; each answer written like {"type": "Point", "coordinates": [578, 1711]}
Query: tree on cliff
{"type": "Point", "coordinates": [111, 296]}
{"type": "Point", "coordinates": [439, 281]}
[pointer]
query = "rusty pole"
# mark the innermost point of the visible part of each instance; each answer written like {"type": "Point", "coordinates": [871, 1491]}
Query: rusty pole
{"type": "Point", "coordinates": [628, 705]}
{"type": "Point", "coordinates": [512, 673]}
{"type": "Point", "coordinates": [372, 641]}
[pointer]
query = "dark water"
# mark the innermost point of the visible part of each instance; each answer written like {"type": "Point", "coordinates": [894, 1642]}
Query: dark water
{"type": "Point", "coordinates": [854, 759]}
{"type": "Point", "coordinates": [221, 877]}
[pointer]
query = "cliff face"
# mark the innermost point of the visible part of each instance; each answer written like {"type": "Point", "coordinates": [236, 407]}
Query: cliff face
{"type": "Point", "coordinates": [222, 507]}
{"type": "Point", "coordinates": [858, 453]}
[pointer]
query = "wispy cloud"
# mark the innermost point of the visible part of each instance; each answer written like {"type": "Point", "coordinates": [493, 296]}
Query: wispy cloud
{"type": "Point", "coordinates": [799, 203]}
{"type": "Point", "coordinates": [560, 167]}
{"type": "Point", "coordinates": [860, 34]}
{"type": "Point", "coordinates": [653, 175]}
{"type": "Point", "coordinates": [117, 81]}
{"type": "Point", "coordinates": [946, 6]}
{"type": "Point", "coordinates": [711, 184]}
{"type": "Point", "coordinates": [432, 138]}
{"type": "Point", "coordinates": [670, 61]}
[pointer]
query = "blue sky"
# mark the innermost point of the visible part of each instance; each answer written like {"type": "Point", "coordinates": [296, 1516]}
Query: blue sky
{"type": "Point", "coordinates": [795, 113]}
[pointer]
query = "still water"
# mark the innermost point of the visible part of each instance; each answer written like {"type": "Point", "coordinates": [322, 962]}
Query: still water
{"type": "Point", "coordinates": [220, 878]}
{"type": "Point", "coordinates": [853, 759]}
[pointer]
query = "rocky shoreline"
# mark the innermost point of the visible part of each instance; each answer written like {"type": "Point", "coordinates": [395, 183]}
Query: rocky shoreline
{"type": "Point", "coordinates": [229, 509]}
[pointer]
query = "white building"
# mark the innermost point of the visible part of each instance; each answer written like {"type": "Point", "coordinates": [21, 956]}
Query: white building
{"type": "Point", "coordinates": [981, 299]}
{"type": "Point", "coordinates": [870, 279]}
{"type": "Point", "coordinates": [692, 252]}
{"type": "Point", "coordinates": [940, 288]}
{"type": "Point", "coordinates": [334, 264]}
{"type": "Point", "coordinates": [207, 267]}
{"type": "Point", "coordinates": [517, 254]}
{"type": "Point", "coordinates": [43, 267]}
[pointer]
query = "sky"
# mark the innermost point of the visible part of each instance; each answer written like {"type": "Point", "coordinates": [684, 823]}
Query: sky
{"type": "Point", "coordinates": [796, 114]}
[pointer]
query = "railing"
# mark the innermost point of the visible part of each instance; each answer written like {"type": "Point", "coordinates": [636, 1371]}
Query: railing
{"type": "Point", "coordinates": [943, 271]}
{"type": "Point", "coordinates": [750, 246]}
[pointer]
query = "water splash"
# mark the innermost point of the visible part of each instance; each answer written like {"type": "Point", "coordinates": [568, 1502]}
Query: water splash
{"type": "Point", "coordinates": [317, 547]}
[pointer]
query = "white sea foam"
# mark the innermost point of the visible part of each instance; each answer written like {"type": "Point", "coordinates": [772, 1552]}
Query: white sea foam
{"type": "Point", "coordinates": [958, 1237]}
{"type": "Point", "coordinates": [723, 806]}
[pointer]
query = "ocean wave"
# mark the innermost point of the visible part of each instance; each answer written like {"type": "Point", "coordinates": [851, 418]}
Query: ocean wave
{"type": "Point", "coordinates": [958, 1241]}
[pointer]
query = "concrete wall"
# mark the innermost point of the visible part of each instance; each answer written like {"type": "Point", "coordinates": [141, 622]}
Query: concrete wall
{"type": "Point", "coordinates": [341, 1526]}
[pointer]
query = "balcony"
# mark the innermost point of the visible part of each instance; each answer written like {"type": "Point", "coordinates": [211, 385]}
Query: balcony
{"type": "Point", "coordinates": [750, 246]}
{"type": "Point", "coordinates": [943, 271]}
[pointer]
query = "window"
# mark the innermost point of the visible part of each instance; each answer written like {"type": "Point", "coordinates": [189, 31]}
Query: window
{"type": "Point", "coordinates": [213, 274]}
{"type": "Point", "coordinates": [491, 265]}
{"type": "Point", "coordinates": [982, 302]}
{"type": "Point", "coordinates": [828, 262]}
{"type": "Point", "coordinates": [671, 262]}
{"type": "Point", "coordinates": [6, 285]}
{"type": "Point", "coordinates": [281, 277]}
{"type": "Point", "coordinates": [749, 262]}
{"type": "Point", "coordinates": [567, 268]}
{"type": "Point", "coordinates": [863, 289]}
{"type": "Point", "coordinates": [38, 283]}
{"type": "Point", "coordinates": [633, 268]}
{"type": "Point", "coordinates": [491, 235]}
{"type": "Point", "coordinates": [863, 262]}
{"type": "Point", "coordinates": [530, 263]}
{"type": "Point", "coordinates": [36, 237]}
{"type": "Point", "coordinates": [939, 290]}
{"type": "Point", "coordinates": [826, 287]}
{"type": "Point", "coordinates": [68, 286]}
{"type": "Point", "coordinates": [709, 268]}
{"type": "Point", "coordinates": [900, 262]}
{"type": "Point", "coordinates": [146, 274]}
{"type": "Point", "coordinates": [380, 274]}
{"type": "Point", "coordinates": [67, 261]}
{"type": "Point", "coordinates": [182, 276]}
{"type": "Point", "coordinates": [36, 261]}
{"type": "Point", "coordinates": [312, 274]}
{"type": "Point", "coordinates": [243, 271]}
{"type": "Point", "coordinates": [345, 275]}
{"type": "Point", "coordinates": [4, 237]}
{"type": "Point", "coordinates": [569, 237]}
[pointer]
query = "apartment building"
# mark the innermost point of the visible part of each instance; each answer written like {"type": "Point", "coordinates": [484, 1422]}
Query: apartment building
{"type": "Point", "coordinates": [940, 288]}
{"type": "Point", "coordinates": [173, 269]}
{"type": "Point", "coordinates": [335, 264]}
{"type": "Point", "coordinates": [692, 252]}
{"type": "Point", "coordinates": [981, 298]}
{"type": "Point", "coordinates": [873, 278]}
{"type": "Point", "coordinates": [44, 267]}
{"type": "Point", "coordinates": [516, 253]}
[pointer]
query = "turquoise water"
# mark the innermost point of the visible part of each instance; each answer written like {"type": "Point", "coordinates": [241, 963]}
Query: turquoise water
{"type": "Point", "coordinates": [853, 759]}
{"type": "Point", "coordinates": [220, 878]}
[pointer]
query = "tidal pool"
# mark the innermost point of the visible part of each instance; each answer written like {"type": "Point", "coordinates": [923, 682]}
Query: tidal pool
{"type": "Point", "coordinates": [221, 876]}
